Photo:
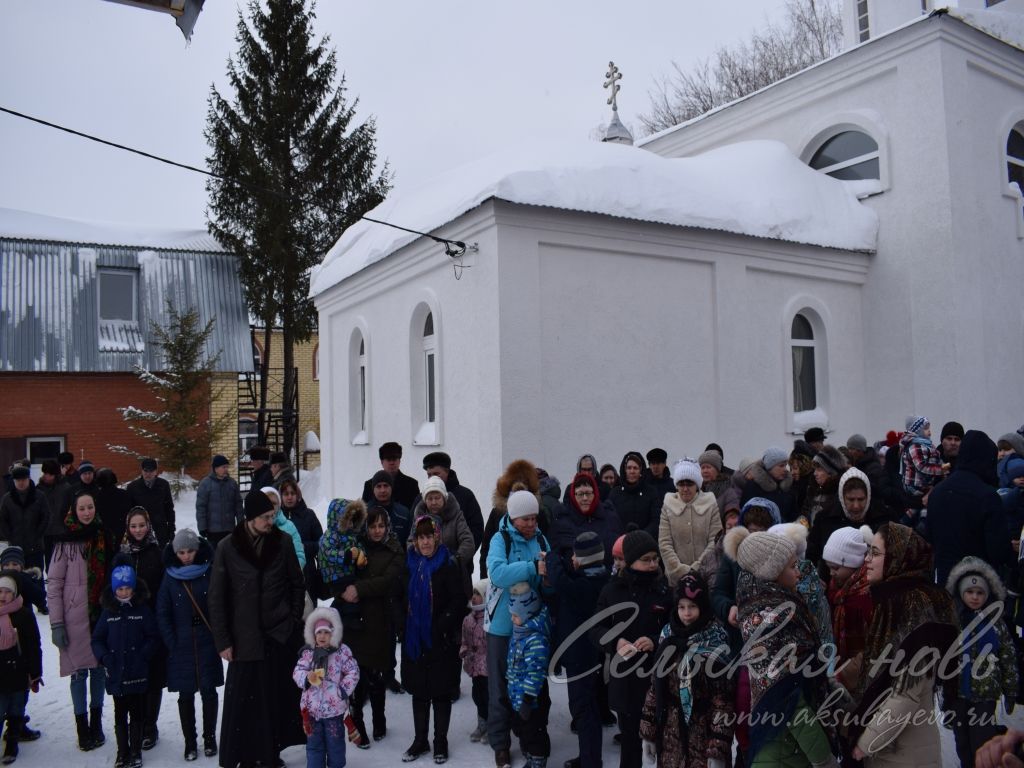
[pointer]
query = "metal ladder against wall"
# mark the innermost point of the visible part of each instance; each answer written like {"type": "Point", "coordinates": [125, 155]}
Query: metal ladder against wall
{"type": "Point", "coordinates": [276, 430]}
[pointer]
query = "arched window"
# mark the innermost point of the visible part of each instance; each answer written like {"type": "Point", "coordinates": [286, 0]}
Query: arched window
{"type": "Point", "coordinates": [425, 376]}
{"type": "Point", "coordinates": [358, 390]}
{"type": "Point", "coordinates": [802, 345]}
{"type": "Point", "coordinates": [316, 362]}
{"type": "Point", "coordinates": [849, 156]}
{"type": "Point", "coordinates": [430, 369]}
{"type": "Point", "coordinates": [1015, 156]}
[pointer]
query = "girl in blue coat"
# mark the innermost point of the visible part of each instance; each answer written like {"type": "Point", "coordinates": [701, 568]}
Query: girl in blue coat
{"type": "Point", "coordinates": [183, 618]}
{"type": "Point", "coordinates": [124, 641]}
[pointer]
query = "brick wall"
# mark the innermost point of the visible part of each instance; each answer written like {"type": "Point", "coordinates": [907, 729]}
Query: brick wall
{"type": "Point", "coordinates": [309, 387]}
{"type": "Point", "coordinates": [81, 408]}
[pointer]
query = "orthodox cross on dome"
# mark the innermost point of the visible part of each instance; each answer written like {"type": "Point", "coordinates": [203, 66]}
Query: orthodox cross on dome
{"type": "Point", "coordinates": [612, 82]}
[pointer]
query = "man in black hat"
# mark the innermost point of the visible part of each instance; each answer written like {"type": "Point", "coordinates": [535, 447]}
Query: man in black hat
{"type": "Point", "coordinates": [66, 459]}
{"type": "Point", "coordinates": [657, 475]}
{"type": "Point", "coordinates": [262, 475]}
{"type": "Point", "coordinates": [281, 469]}
{"type": "Point", "coordinates": [404, 490]}
{"type": "Point", "coordinates": [86, 478]}
{"type": "Point", "coordinates": [815, 437]}
{"type": "Point", "coordinates": [439, 464]}
{"type": "Point", "coordinates": [154, 493]}
{"type": "Point", "coordinates": [949, 446]}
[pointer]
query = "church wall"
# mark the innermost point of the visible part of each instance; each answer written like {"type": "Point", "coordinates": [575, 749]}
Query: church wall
{"type": "Point", "coordinates": [929, 325]}
{"type": "Point", "coordinates": [381, 301]}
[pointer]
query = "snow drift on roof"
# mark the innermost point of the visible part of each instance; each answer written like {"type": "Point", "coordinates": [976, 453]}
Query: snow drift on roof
{"type": "Point", "coordinates": [23, 225]}
{"type": "Point", "coordinates": [755, 188]}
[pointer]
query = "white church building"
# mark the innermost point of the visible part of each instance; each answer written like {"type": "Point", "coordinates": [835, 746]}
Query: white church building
{"type": "Point", "coordinates": [840, 249]}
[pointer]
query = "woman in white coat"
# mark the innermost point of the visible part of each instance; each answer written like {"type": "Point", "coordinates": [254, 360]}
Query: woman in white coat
{"type": "Point", "coordinates": [689, 522]}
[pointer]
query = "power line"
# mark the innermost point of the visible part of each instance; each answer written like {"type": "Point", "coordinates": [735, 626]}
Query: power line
{"type": "Point", "coordinates": [453, 248]}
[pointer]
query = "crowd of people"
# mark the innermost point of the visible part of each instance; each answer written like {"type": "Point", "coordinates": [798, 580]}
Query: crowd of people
{"type": "Point", "coordinates": [815, 606]}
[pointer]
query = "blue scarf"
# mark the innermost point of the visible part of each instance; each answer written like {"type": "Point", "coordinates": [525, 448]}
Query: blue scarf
{"type": "Point", "coordinates": [188, 572]}
{"type": "Point", "coordinates": [421, 598]}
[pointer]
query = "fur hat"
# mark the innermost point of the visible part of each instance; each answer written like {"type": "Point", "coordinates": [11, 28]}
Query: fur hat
{"type": "Point", "coordinates": [65, 458]}
{"type": "Point", "coordinates": [278, 457]}
{"type": "Point", "coordinates": [636, 544]}
{"type": "Point", "coordinates": [522, 504]}
{"type": "Point", "coordinates": [815, 435]}
{"type": "Point", "coordinates": [774, 456]}
{"type": "Point", "coordinates": [435, 484]}
{"type": "Point", "coordinates": [714, 458]}
{"type": "Point", "coordinates": [259, 453]}
{"type": "Point", "coordinates": [318, 616]}
{"type": "Point", "coordinates": [796, 533]}
{"type": "Point", "coordinates": [846, 547]}
{"type": "Point", "coordinates": [762, 554]}
{"type": "Point", "coordinates": [831, 460]}
{"type": "Point", "coordinates": [19, 472]}
{"type": "Point", "coordinates": [437, 459]}
{"type": "Point", "coordinates": [687, 470]}
{"type": "Point", "coordinates": [975, 572]}
{"type": "Point", "coordinates": [657, 456]}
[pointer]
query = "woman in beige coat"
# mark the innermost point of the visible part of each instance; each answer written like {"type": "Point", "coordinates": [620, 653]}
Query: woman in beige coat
{"type": "Point", "coordinates": [689, 522]}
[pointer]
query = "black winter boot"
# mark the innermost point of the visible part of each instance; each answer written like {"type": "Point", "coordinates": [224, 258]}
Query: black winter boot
{"type": "Point", "coordinates": [187, 715]}
{"type": "Point", "coordinates": [11, 740]}
{"type": "Point", "coordinates": [85, 742]}
{"type": "Point", "coordinates": [96, 726]}
{"type": "Point", "coordinates": [210, 706]}
{"type": "Point", "coordinates": [442, 718]}
{"type": "Point", "coordinates": [150, 733]}
{"type": "Point", "coordinates": [420, 721]}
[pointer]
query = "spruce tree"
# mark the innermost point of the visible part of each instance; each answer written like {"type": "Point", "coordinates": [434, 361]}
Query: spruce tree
{"type": "Point", "coordinates": [181, 433]}
{"type": "Point", "coordinates": [295, 170]}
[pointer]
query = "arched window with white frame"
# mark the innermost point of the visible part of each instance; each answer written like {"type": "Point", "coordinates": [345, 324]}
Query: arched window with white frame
{"type": "Point", "coordinates": [425, 376]}
{"type": "Point", "coordinates": [1015, 157]}
{"type": "Point", "coordinates": [358, 390]}
{"type": "Point", "coordinates": [849, 155]}
{"type": "Point", "coordinates": [803, 349]}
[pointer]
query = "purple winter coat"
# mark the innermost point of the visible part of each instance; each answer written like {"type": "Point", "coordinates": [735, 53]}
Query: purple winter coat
{"type": "Point", "coordinates": [473, 650]}
{"type": "Point", "coordinates": [67, 595]}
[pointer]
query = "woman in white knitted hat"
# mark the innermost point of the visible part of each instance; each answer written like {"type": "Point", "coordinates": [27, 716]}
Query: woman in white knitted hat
{"type": "Point", "coordinates": [689, 523]}
{"type": "Point", "coordinates": [775, 622]}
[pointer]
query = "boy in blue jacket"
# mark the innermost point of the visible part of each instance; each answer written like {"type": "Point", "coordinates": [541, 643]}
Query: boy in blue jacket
{"type": "Point", "coordinates": [124, 641]}
{"type": "Point", "coordinates": [528, 654]}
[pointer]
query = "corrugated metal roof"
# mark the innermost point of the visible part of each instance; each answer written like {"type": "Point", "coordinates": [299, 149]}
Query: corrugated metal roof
{"type": "Point", "coordinates": [49, 306]}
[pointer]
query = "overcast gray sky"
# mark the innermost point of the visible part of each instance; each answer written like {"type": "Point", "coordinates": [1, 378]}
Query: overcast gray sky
{"type": "Point", "coordinates": [447, 82]}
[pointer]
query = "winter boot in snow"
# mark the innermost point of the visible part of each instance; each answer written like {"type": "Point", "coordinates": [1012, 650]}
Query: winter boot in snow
{"type": "Point", "coordinates": [85, 742]}
{"type": "Point", "coordinates": [481, 730]}
{"type": "Point", "coordinates": [536, 762]}
{"type": "Point", "coordinates": [502, 759]}
{"type": "Point", "coordinates": [11, 740]}
{"type": "Point", "coordinates": [210, 706]}
{"type": "Point", "coordinates": [187, 715]}
{"type": "Point", "coordinates": [96, 726]}
{"type": "Point", "coordinates": [442, 719]}
{"type": "Point", "coordinates": [420, 720]}
{"type": "Point", "coordinates": [150, 733]}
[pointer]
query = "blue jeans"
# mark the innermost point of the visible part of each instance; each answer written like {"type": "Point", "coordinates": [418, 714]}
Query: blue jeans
{"type": "Point", "coordinates": [97, 689]}
{"type": "Point", "coordinates": [326, 744]}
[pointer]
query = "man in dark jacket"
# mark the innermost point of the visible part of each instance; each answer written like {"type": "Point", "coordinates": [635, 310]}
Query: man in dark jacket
{"type": "Point", "coordinates": [57, 493]}
{"type": "Point", "coordinates": [68, 473]}
{"type": "Point", "coordinates": [154, 493]}
{"type": "Point", "coordinates": [949, 442]}
{"type": "Point", "coordinates": [112, 505]}
{"type": "Point", "coordinates": [883, 490]}
{"type": "Point", "coordinates": [24, 514]}
{"type": "Point", "coordinates": [86, 478]}
{"type": "Point", "coordinates": [259, 460]}
{"type": "Point", "coordinates": [218, 502]}
{"type": "Point", "coordinates": [657, 476]}
{"type": "Point", "coordinates": [398, 515]}
{"type": "Point", "coordinates": [404, 490]}
{"type": "Point", "coordinates": [439, 464]}
{"type": "Point", "coordinates": [965, 515]}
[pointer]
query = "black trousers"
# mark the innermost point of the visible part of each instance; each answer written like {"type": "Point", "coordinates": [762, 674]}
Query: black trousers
{"type": "Point", "coordinates": [533, 733]}
{"type": "Point", "coordinates": [480, 695]}
{"type": "Point", "coordinates": [129, 714]}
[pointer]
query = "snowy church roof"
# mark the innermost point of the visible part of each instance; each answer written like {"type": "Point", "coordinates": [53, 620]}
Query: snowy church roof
{"type": "Point", "coordinates": [24, 225]}
{"type": "Point", "coordinates": [756, 188]}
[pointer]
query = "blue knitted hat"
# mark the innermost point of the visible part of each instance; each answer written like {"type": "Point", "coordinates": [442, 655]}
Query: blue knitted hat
{"type": "Point", "coordinates": [523, 601]}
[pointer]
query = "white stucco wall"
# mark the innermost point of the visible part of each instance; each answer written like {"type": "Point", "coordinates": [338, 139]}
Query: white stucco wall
{"type": "Point", "coordinates": [938, 97]}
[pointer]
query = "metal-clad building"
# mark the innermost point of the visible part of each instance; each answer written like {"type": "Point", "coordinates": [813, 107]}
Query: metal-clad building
{"type": "Point", "coordinates": [78, 302]}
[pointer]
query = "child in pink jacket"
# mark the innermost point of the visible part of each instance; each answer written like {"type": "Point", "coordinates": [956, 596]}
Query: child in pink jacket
{"type": "Point", "coordinates": [473, 653]}
{"type": "Point", "coordinates": [327, 674]}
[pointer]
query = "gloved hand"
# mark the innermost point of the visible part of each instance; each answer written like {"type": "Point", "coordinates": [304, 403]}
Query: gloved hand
{"type": "Point", "coordinates": [526, 708]}
{"type": "Point", "coordinates": [1009, 704]}
{"type": "Point", "coordinates": [650, 753]}
{"type": "Point", "coordinates": [59, 636]}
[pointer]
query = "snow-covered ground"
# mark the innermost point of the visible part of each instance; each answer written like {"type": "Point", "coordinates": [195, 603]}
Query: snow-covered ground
{"type": "Point", "coordinates": [51, 711]}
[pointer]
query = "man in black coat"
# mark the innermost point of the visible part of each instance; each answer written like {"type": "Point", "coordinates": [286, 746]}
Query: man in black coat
{"type": "Point", "coordinates": [657, 476]}
{"type": "Point", "coordinates": [154, 493]}
{"type": "Point", "coordinates": [439, 464]}
{"type": "Point", "coordinates": [24, 513]}
{"type": "Point", "coordinates": [883, 490]}
{"type": "Point", "coordinates": [259, 460]}
{"type": "Point", "coordinates": [965, 515]}
{"type": "Point", "coordinates": [404, 490]}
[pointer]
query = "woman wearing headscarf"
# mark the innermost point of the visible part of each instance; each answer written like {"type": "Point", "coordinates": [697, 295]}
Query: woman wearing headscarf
{"type": "Point", "coordinates": [911, 615]}
{"type": "Point", "coordinates": [434, 604]}
{"type": "Point", "coordinates": [785, 692]}
{"type": "Point", "coordinates": [633, 499]}
{"type": "Point", "coordinates": [79, 569]}
{"type": "Point", "coordinates": [256, 600]}
{"type": "Point", "coordinates": [587, 465]}
{"type": "Point", "coordinates": [139, 544]}
{"type": "Point", "coordinates": [372, 644]}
